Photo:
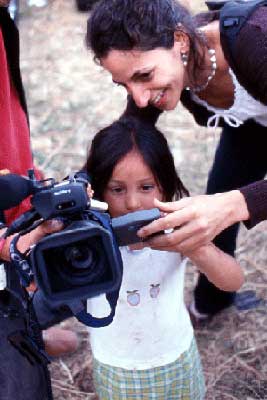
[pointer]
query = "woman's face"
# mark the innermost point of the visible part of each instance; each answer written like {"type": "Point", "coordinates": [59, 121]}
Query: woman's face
{"type": "Point", "coordinates": [154, 77]}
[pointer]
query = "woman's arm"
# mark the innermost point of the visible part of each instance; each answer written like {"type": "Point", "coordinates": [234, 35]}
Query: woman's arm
{"type": "Point", "coordinates": [195, 220]}
{"type": "Point", "coordinates": [220, 268]}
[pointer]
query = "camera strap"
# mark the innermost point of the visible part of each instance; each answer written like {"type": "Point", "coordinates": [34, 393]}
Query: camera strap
{"type": "Point", "coordinates": [112, 297]}
{"type": "Point", "coordinates": [19, 260]}
{"type": "Point", "coordinates": [88, 319]}
{"type": "Point", "coordinates": [20, 263]}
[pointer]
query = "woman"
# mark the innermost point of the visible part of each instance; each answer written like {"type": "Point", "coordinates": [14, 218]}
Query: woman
{"type": "Point", "coordinates": [160, 54]}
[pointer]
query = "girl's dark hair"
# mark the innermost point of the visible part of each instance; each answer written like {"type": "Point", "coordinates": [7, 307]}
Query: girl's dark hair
{"type": "Point", "coordinates": [142, 25]}
{"type": "Point", "coordinates": [112, 143]}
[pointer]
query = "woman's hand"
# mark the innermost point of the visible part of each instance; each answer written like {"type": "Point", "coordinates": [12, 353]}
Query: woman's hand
{"type": "Point", "coordinates": [32, 237]}
{"type": "Point", "coordinates": [195, 220]}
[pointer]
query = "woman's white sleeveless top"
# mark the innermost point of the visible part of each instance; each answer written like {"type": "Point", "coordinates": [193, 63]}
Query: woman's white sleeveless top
{"type": "Point", "coordinates": [244, 107]}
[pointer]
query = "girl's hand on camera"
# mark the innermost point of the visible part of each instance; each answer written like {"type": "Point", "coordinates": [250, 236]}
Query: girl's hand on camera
{"type": "Point", "coordinates": [90, 191]}
{"type": "Point", "coordinates": [195, 220]}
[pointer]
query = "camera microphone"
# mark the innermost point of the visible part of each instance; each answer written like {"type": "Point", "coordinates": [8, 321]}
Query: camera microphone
{"type": "Point", "coordinates": [13, 189]}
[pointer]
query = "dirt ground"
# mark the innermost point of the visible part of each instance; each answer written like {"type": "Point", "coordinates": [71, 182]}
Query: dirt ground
{"type": "Point", "coordinates": [69, 99]}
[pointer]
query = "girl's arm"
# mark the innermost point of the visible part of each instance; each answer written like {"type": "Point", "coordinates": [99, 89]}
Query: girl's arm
{"type": "Point", "coordinates": [220, 268]}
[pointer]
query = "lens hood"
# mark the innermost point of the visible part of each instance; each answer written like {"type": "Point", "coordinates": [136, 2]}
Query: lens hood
{"type": "Point", "coordinates": [78, 263]}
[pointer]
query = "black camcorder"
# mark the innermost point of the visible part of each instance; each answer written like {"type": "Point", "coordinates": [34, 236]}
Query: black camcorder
{"type": "Point", "coordinates": [82, 260]}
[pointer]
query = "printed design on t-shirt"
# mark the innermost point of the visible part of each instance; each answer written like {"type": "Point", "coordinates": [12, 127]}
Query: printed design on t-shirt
{"type": "Point", "coordinates": [133, 297]}
{"type": "Point", "coordinates": [154, 290]}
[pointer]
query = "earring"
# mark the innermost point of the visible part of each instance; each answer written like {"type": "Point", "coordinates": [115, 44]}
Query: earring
{"type": "Point", "coordinates": [184, 57]}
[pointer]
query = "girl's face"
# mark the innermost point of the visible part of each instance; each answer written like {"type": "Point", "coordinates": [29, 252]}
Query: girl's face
{"type": "Point", "coordinates": [154, 77]}
{"type": "Point", "coordinates": [132, 186]}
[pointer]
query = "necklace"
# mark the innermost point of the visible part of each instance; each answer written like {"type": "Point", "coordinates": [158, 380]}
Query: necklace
{"type": "Point", "coordinates": [213, 61]}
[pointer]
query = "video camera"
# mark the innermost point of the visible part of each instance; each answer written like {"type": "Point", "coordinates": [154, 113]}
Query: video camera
{"type": "Point", "coordinates": [82, 260]}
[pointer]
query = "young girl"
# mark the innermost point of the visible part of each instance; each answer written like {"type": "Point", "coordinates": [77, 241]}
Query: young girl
{"type": "Point", "coordinates": [149, 350]}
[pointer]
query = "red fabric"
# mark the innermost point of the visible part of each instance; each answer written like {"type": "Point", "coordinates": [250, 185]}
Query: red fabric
{"type": "Point", "coordinates": [15, 150]}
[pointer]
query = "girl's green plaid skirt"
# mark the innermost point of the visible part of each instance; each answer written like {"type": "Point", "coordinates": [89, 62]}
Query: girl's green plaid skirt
{"type": "Point", "coordinates": [180, 380]}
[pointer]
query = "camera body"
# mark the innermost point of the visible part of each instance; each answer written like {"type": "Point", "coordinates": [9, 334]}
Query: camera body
{"type": "Point", "coordinates": [125, 227]}
{"type": "Point", "coordinates": [61, 199]}
{"type": "Point", "coordinates": [82, 260]}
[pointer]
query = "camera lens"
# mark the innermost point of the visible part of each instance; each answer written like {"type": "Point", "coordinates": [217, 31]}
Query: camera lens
{"type": "Point", "coordinates": [77, 264]}
{"type": "Point", "coordinates": [79, 257]}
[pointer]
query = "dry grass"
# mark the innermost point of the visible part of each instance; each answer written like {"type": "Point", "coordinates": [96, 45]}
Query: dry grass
{"type": "Point", "coordinates": [70, 98]}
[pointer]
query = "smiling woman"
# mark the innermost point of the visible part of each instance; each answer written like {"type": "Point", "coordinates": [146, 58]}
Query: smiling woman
{"type": "Point", "coordinates": [146, 49]}
{"type": "Point", "coordinates": [161, 54]}
{"type": "Point", "coordinates": [144, 76]}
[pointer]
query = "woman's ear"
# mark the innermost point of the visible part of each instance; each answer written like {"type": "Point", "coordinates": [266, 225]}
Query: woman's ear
{"type": "Point", "coordinates": [181, 41]}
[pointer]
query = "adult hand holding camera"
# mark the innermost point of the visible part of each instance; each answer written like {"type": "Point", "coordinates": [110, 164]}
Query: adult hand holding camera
{"type": "Point", "coordinates": [30, 238]}
{"type": "Point", "coordinates": [195, 220]}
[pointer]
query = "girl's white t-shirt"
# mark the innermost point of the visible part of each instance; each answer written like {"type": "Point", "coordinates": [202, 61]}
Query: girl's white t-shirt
{"type": "Point", "coordinates": [151, 326]}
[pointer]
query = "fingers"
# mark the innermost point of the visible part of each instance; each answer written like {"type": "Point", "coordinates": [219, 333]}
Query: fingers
{"type": "Point", "coordinates": [184, 239]}
{"type": "Point", "coordinates": [173, 205]}
{"type": "Point", "coordinates": [185, 247]}
{"type": "Point", "coordinates": [169, 239]}
{"type": "Point", "coordinates": [174, 220]}
{"type": "Point", "coordinates": [32, 237]}
{"type": "Point", "coordinates": [165, 248]}
{"type": "Point", "coordinates": [90, 191]}
{"type": "Point", "coordinates": [138, 246]}
{"type": "Point", "coordinates": [50, 226]}
{"type": "Point", "coordinates": [37, 234]}
{"type": "Point", "coordinates": [196, 221]}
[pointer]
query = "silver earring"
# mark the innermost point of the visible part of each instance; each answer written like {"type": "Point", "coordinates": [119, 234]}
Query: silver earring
{"type": "Point", "coordinates": [184, 57]}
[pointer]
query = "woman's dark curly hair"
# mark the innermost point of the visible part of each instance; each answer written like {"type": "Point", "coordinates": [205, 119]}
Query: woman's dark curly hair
{"type": "Point", "coordinates": [142, 25]}
{"type": "Point", "coordinates": [112, 143]}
